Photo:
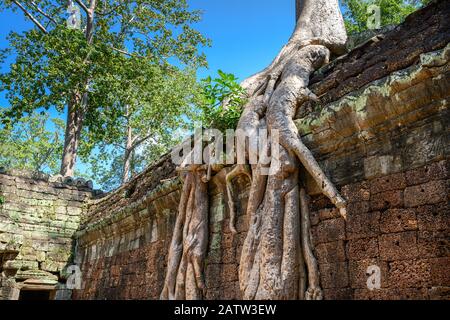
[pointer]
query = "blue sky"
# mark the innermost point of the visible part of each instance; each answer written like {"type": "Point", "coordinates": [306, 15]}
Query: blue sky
{"type": "Point", "coordinates": [246, 35]}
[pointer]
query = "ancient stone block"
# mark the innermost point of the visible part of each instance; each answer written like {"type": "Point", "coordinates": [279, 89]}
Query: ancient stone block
{"type": "Point", "coordinates": [398, 246]}
{"type": "Point", "coordinates": [364, 248]}
{"type": "Point", "coordinates": [440, 271]}
{"type": "Point", "coordinates": [338, 294]}
{"type": "Point", "coordinates": [330, 252]}
{"type": "Point", "coordinates": [334, 275]}
{"type": "Point", "coordinates": [356, 192]}
{"type": "Point", "coordinates": [364, 225]}
{"type": "Point", "coordinates": [434, 171]}
{"type": "Point", "coordinates": [355, 208]}
{"type": "Point", "coordinates": [376, 166]}
{"type": "Point", "coordinates": [386, 200]}
{"type": "Point", "coordinates": [410, 273]}
{"type": "Point", "coordinates": [428, 193]}
{"type": "Point", "coordinates": [330, 230]}
{"type": "Point", "coordinates": [434, 217]}
{"type": "Point", "coordinates": [387, 183]}
{"type": "Point", "coordinates": [392, 294]}
{"type": "Point", "coordinates": [433, 244]}
{"type": "Point", "coordinates": [398, 220]}
{"type": "Point", "coordinates": [230, 272]}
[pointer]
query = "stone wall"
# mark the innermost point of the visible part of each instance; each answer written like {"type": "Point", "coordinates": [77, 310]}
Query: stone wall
{"type": "Point", "coordinates": [380, 132]}
{"type": "Point", "coordinates": [38, 219]}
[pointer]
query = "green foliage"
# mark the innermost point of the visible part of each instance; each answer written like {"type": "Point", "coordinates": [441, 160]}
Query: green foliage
{"type": "Point", "coordinates": [156, 103]}
{"type": "Point", "coordinates": [222, 103]}
{"type": "Point", "coordinates": [130, 38]}
{"type": "Point", "coordinates": [393, 12]}
{"type": "Point", "coordinates": [2, 200]}
{"type": "Point", "coordinates": [29, 143]}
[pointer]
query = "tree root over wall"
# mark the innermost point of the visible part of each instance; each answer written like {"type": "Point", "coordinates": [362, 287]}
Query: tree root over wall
{"type": "Point", "coordinates": [278, 244]}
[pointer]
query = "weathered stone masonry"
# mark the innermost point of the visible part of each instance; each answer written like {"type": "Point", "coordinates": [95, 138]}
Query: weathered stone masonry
{"type": "Point", "coordinates": [38, 219]}
{"type": "Point", "coordinates": [381, 134]}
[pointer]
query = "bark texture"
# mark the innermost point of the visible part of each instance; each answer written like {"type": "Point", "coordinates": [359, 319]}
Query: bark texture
{"type": "Point", "coordinates": [184, 279]}
{"type": "Point", "coordinates": [74, 125]}
{"type": "Point", "coordinates": [277, 246]}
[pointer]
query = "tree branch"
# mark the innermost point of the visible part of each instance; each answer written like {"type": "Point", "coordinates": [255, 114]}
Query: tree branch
{"type": "Point", "coordinates": [83, 6]}
{"type": "Point", "coordinates": [30, 16]}
{"type": "Point", "coordinates": [136, 143]}
{"type": "Point", "coordinates": [43, 12]}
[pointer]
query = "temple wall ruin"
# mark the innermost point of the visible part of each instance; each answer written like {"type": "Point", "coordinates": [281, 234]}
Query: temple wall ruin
{"type": "Point", "coordinates": [381, 133]}
{"type": "Point", "coordinates": [38, 220]}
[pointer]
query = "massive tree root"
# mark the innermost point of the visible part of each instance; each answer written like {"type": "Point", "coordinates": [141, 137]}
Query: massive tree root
{"type": "Point", "coordinates": [278, 243]}
{"type": "Point", "coordinates": [184, 279]}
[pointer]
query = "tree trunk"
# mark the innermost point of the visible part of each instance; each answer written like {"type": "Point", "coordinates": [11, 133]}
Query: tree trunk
{"type": "Point", "coordinates": [76, 109]}
{"type": "Point", "coordinates": [127, 157]}
{"type": "Point", "coordinates": [74, 125]}
{"type": "Point", "coordinates": [298, 7]}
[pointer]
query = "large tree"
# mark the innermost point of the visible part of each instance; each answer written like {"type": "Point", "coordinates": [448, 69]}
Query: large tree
{"type": "Point", "coordinates": [273, 256]}
{"type": "Point", "coordinates": [60, 65]}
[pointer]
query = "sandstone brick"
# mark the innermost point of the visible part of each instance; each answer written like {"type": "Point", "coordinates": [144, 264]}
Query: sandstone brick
{"type": "Point", "coordinates": [434, 217]}
{"type": "Point", "coordinates": [212, 275]}
{"type": "Point", "coordinates": [387, 183]}
{"type": "Point", "coordinates": [358, 272]}
{"type": "Point", "coordinates": [410, 273]}
{"type": "Point", "coordinates": [230, 272]}
{"type": "Point", "coordinates": [356, 192]}
{"type": "Point", "coordinates": [338, 294]}
{"type": "Point", "coordinates": [363, 248]}
{"type": "Point", "coordinates": [363, 225]}
{"type": "Point", "coordinates": [330, 230]}
{"type": "Point", "coordinates": [397, 246]}
{"type": "Point", "coordinates": [330, 252]}
{"type": "Point", "coordinates": [427, 193]}
{"type": "Point", "coordinates": [355, 208]}
{"type": "Point", "coordinates": [433, 244]}
{"type": "Point", "coordinates": [392, 294]}
{"type": "Point", "coordinates": [334, 275]}
{"type": "Point", "coordinates": [398, 220]}
{"type": "Point", "coordinates": [229, 255]}
{"type": "Point", "coordinates": [386, 200]}
{"type": "Point", "coordinates": [440, 271]}
{"type": "Point", "coordinates": [434, 171]}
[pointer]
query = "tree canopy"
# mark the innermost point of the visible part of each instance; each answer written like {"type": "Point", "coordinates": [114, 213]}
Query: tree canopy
{"type": "Point", "coordinates": [357, 12]}
{"type": "Point", "coordinates": [81, 69]}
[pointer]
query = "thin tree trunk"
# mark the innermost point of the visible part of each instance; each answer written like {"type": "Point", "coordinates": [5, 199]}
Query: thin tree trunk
{"type": "Point", "coordinates": [127, 157]}
{"type": "Point", "coordinates": [74, 125]}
